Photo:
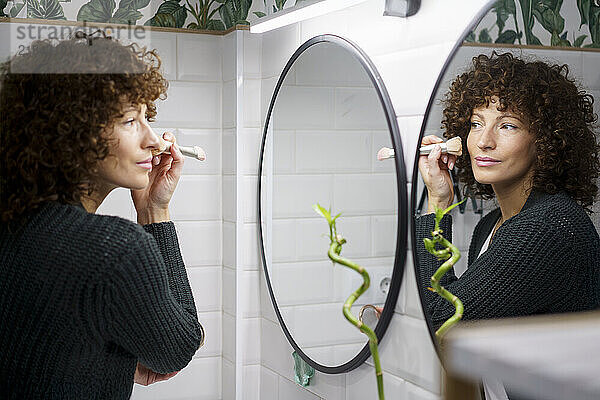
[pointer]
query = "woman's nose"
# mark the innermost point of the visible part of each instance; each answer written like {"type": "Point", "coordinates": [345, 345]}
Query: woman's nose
{"type": "Point", "coordinates": [151, 139]}
{"type": "Point", "coordinates": [486, 139]}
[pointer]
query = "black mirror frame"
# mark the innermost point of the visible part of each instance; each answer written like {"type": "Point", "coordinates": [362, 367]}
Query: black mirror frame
{"type": "Point", "coordinates": [413, 191]}
{"type": "Point", "coordinates": [402, 234]}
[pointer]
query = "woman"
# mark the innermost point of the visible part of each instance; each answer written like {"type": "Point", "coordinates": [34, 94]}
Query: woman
{"type": "Point", "coordinates": [88, 302]}
{"type": "Point", "coordinates": [528, 143]}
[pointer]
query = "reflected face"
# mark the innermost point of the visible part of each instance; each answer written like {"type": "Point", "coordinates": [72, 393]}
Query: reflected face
{"type": "Point", "coordinates": [130, 159]}
{"type": "Point", "coordinates": [501, 148]}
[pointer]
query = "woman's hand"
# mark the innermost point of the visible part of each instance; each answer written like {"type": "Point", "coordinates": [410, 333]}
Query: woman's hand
{"type": "Point", "coordinates": [152, 202]}
{"type": "Point", "coordinates": [145, 376]}
{"type": "Point", "coordinates": [434, 170]}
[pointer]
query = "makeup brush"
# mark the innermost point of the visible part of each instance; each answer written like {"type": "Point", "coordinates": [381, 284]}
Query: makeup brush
{"type": "Point", "coordinates": [190, 151]}
{"type": "Point", "coordinates": [384, 153]}
{"type": "Point", "coordinates": [452, 146]}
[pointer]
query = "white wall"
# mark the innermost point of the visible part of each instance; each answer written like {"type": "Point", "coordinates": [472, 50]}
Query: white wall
{"type": "Point", "coordinates": [241, 141]}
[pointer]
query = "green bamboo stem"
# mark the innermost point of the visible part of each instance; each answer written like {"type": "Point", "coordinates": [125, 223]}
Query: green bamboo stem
{"type": "Point", "coordinates": [451, 254]}
{"type": "Point", "coordinates": [449, 248]}
{"type": "Point", "coordinates": [334, 251]}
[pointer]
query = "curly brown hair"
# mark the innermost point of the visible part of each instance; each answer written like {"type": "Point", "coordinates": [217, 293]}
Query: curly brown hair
{"type": "Point", "coordinates": [58, 100]}
{"type": "Point", "coordinates": [560, 115]}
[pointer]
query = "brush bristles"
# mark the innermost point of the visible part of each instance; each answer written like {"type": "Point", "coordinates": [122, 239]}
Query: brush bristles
{"type": "Point", "coordinates": [384, 153]}
{"type": "Point", "coordinates": [164, 146]}
{"type": "Point", "coordinates": [454, 146]}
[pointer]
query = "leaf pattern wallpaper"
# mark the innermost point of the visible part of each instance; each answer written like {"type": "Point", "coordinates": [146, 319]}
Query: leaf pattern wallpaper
{"type": "Point", "coordinates": [571, 23]}
{"type": "Point", "coordinates": [215, 15]}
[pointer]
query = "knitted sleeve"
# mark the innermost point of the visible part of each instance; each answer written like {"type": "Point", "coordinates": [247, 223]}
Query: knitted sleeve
{"type": "Point", "coordinates": [166, 238]}
{"type": "Point", "coordinates": [149, 306]}
{"type": "Point", "coordinates": [520, 274]}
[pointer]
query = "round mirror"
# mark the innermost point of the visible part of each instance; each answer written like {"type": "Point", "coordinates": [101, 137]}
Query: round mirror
{"type": "Point", "coordinates": [520, 99]}
{"type": "Point", "coordinates": [328, 118]}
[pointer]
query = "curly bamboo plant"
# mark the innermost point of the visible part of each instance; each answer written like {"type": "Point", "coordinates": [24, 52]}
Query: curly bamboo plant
{"type": "Point", "coordinates": [335, 249]}
{"type": "Point", "coordinates": [451, 254]}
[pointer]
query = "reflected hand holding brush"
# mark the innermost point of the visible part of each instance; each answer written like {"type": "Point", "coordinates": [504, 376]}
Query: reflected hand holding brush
{"type": "Point", "coordinates": [452, 146]}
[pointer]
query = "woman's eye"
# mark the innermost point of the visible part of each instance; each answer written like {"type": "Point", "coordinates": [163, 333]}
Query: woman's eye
{"type": "Point", "coordinates": [508, 126]}
{"type": "Point", "coordinates": [129, 122]}
{"type": "Point", "coordinates": [475, 124]}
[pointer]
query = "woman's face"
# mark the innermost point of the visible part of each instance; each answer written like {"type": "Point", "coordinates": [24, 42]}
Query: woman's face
{"type": "Point", "coordinates": [501, 148]}
{"type": "Point", "coordinates": [130, 159]}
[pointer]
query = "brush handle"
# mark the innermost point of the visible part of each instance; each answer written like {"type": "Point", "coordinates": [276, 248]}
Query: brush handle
{"type": "Point", "coordinates": [424, 150]}
{"type": "Point", "coordinates": [190, 151]}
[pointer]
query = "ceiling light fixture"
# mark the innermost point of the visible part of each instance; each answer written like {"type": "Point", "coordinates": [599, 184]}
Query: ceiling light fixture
{"type": "Point", "coordinates": [301, 12]}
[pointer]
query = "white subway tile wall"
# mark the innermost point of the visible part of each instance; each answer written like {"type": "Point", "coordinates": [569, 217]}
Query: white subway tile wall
{"type": "Point", "coordinates": [229, 104]}
{"type": "Point", "coordinates": [200, 58]}
{"type": "Point", "coordinates": [277, 47]}
{"type": "Point", "coordinates": [252, 112]}
{"type": "Point", "coordinates": [362, 384]}
{"type": "Point", "coordinates": [191, 105]}
{"type": "Point", "coordinates": [267, 89]}
{"type": "Point", "coordinates": [210, 141]}
{"type": "Point", "coordinates": [166, 44]}
{"type": "Point", "coordinates": [251, 141]}
{"type": "Point", "coordinates": [197, 197]}
{"type": "Point", "coordinates": [229, 330]}
{"type": "Point", "coordinates": [269, 384]}
{"type": "Point", "coordinates": [250, 242]}
{"type": "Point", "coordinates": [410, 75]}
{"type": "Point", "coordinates": [410, 128]}
{"type": "Point", "coordinates": [228, 380]}
{"type": "Point", "coordinates": [229, 291]}
{"type": "Point", "coordinates": [199, 380]}
{"type": "Point", "coordinates": [229, 152]}
{"type": "Point", "coordinates": [290, 390]}
{"type": "Point", "coordinates": [250, 333]}
{"type": "Point", "coordinates": [251, 380]}
{"type": "Point", "coordinates": [212, 323]}
{"type": "Point", "coordinates": [206, 287]}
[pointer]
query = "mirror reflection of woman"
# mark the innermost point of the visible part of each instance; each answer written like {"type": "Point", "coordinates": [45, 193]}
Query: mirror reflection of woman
{"type": "Point", "coordinates": [528, 143]}
{"type": "Point", "coordinates": [90, 303]}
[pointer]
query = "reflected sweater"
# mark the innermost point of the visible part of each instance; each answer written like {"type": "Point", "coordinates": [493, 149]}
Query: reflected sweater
{"type": "Point", "coordinates": [83, 298]}
{"type": "Point", "coordinates": [542, 260]}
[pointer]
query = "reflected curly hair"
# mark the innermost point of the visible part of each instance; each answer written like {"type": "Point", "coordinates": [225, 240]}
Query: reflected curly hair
{"type": "Point", "coordinates": [58, 100]}
{"type": "Point", "coordinates": [560, 115]}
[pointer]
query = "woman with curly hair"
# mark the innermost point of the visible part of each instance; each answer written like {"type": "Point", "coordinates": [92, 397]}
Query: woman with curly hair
{"type": "Point", "coordinates": [528, 142]}
{"type": "Point", "coordinates": [89, 303]}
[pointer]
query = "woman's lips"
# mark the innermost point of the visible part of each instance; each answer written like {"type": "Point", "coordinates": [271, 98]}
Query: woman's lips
{"type": "Point", "coordinates": [147, 163]}
{"type": "Point", "coordinates": [486, 161]}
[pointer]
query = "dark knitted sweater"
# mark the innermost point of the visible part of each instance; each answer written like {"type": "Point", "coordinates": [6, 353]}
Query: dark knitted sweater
{"type": "Point", "coordinates": [542, 260]}
{"type": "Point", "coordinates": [83, 297]}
